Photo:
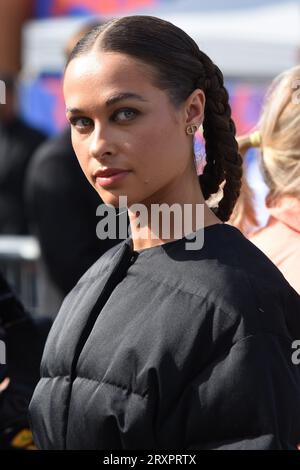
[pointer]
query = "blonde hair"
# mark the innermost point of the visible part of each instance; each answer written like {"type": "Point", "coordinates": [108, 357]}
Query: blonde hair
{"type": "Point", "coordinates": [243, 216]}
{"type": "Point", "coordinates": [279, 141]}
{"type": "Point", "coordinates": [280, 136]}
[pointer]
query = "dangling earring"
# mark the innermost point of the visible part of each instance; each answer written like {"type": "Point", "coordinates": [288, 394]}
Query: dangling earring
{"type": "Point", "coordinates": [190, 130]}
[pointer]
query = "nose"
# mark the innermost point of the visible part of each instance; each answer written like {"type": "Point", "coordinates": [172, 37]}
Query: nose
{"type": "Point", "coordinates": [101, 144]}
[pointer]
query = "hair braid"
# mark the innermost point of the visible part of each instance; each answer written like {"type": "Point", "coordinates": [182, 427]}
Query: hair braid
{"type": "Point", "coordinates": [223, 160]}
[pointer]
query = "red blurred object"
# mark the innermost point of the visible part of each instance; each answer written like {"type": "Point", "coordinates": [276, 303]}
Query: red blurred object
{"type": "Point", "coordinates": [104, 7]}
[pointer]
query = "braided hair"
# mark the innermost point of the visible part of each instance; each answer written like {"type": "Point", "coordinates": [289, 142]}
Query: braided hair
{"type": "Point", "coordinates": [180, 67]}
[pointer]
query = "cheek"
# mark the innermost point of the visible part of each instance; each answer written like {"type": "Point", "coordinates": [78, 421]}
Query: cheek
{"type": "Point", "coordinates": [161, 149]}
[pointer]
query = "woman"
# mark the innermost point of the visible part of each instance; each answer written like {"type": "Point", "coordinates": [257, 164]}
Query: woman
{"type": "Point", "coordinates": [278, 138]}
{"type": "Point", "coordinates": [160, 346]}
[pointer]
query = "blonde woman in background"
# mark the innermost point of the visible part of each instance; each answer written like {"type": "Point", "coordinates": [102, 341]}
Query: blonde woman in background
{"type": "Point", "coordinates": [278, 137]}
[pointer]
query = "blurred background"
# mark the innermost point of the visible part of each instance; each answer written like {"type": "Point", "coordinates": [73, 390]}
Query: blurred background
{"type": "Point", "coordinates": [252, 41]}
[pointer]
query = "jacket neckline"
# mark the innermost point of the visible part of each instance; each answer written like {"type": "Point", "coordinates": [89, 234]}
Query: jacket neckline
{"type": "Point", "coordinates": [163, 246]}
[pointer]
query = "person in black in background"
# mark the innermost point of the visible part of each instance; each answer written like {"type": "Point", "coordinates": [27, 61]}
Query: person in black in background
{"type": "Point", "coordinates": [62, 207]}
{"type": "Point", "coordinates": [18, 141]}
{"type": "Point", "coordinates": [22, 341]}
{"type": "Point", "coordinates": [161, 345]}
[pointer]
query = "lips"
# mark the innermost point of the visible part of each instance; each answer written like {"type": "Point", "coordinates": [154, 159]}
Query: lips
{"type": "Point", "coordinates": [109, 176]}
{"type": "Point", "coordinates": [108, 172]}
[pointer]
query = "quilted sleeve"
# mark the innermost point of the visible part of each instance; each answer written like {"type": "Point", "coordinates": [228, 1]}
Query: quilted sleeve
{"type": "Point", "coordinates": [249, 398]}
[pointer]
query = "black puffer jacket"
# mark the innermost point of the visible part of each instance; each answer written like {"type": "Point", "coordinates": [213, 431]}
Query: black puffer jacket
{"type": "Point", "coordinates": [173, 349]}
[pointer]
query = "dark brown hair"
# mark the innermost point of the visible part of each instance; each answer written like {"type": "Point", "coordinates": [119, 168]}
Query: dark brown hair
{"type": "Point", "coordinates": [180, 67]}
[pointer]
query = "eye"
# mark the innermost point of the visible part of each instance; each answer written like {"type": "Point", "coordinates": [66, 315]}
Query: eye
{"type": "Point", "coordinates": [81, 123]}
{"type": "Point", "coordinates": [124, 115]}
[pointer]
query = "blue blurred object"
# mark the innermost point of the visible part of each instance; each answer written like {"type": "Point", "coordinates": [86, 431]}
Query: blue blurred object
{"type": "Point", "coordinates": [42, 8]}
{"type": "Point", "coordinates": [79, 11]}
{"type": "Point", "coordinates": [41, 103]}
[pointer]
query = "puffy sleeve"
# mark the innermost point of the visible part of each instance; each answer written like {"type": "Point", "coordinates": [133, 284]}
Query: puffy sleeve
{"type": "Point", "coordinates": [248, 398]}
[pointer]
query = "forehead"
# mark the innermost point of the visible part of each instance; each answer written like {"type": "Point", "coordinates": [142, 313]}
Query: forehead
{"type": "Point", "coordinates": [106, 72]}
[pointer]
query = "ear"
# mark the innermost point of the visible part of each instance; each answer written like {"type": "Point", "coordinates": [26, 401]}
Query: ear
{"type": "Point", "coordinates": [194, 108]}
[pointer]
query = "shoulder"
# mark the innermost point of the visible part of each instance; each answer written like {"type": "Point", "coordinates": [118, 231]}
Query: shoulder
{"type": "Point", "coordinates": [252, 283]}
{"type": "Point", "coordinates": [224, 261]}
{"type": "Point", "coordinates": [54, 164]}
{"type": "Point", "coordinates": [234, 281]}
{"type": "Point", "coordinates": [58, 146]}
{"type": "Point", "coordinates": [32, 134]}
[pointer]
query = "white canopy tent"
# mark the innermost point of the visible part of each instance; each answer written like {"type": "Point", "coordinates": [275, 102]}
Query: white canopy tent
{"type": "Point", "coordinates": [247, 42]}
{"type": "Point", "coordinates": [258, 42]}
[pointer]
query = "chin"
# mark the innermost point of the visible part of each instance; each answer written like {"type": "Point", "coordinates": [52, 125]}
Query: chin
{"type": "Point", "coordinates": [113, 199]}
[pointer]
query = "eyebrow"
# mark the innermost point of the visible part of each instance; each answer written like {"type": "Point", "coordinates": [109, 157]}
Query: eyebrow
{"type": "Point", "coordinates": [112, 100]}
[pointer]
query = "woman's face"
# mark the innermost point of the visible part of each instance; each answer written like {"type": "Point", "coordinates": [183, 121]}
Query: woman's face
{"type": "Point", "coordinates": [121, 120]}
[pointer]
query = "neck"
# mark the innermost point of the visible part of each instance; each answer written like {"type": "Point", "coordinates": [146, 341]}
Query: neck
{"type": "Point", "coordinates": [151, 226]}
